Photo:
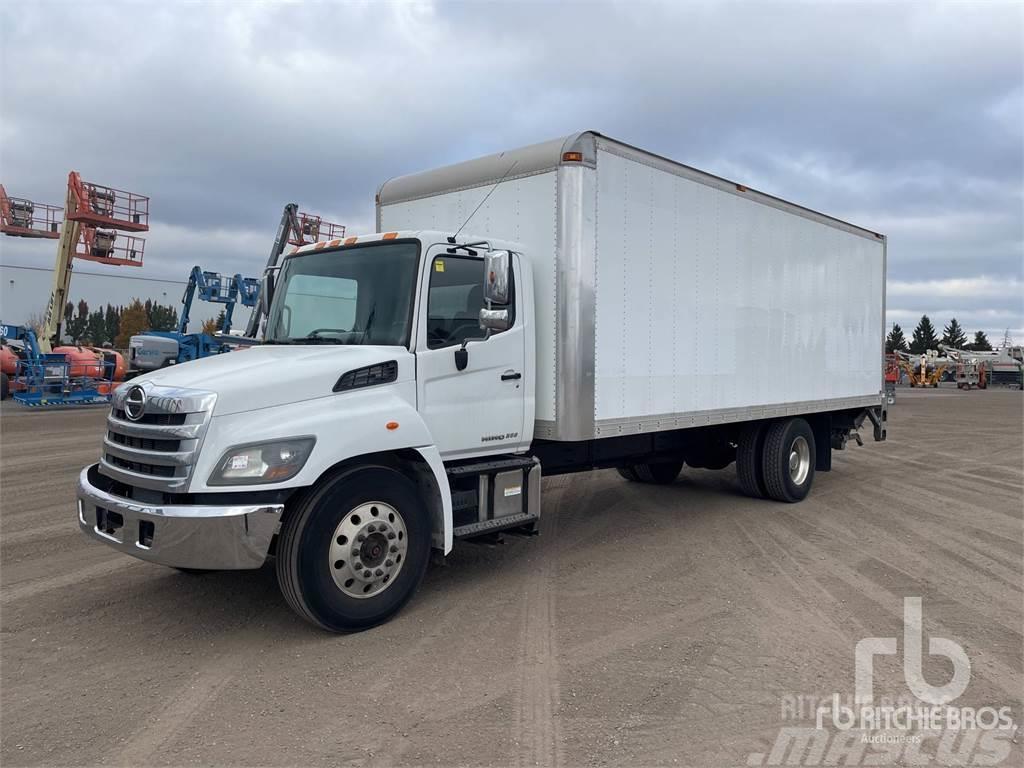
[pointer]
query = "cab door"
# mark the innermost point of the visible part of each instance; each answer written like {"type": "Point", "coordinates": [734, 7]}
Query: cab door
{"type": "Point", "coordinates": [477, 410]}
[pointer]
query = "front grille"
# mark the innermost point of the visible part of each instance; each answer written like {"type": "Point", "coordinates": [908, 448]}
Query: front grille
{"type": "Point", "coordinates": [157, 451]}
{"type": "Point", "coordinates": [157, 470]}
{"type": "Point", "coordinates": [144, 443]}
{"type": "Point", "coordinates": [161, 419]}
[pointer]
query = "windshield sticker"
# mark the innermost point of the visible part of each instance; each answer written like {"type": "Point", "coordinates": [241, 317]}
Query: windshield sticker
{"type": "Point", "coordinates": [439, 265]}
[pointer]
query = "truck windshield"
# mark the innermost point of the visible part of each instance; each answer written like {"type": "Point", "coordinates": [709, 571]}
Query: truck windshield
{"type": "Point", "coordinates": [358, 295]}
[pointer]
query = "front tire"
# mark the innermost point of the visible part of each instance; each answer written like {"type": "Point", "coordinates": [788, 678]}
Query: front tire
{"type": "Point", "coordinates": [788, 460]}
{"type": "Point", "coordinates": [372, 514]}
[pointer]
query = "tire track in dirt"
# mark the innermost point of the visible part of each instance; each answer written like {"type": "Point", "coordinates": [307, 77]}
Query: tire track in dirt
{"type": "Point", "coordinates": [206, 684]}
{"type": "Point", "coordinates": [536, 728]}
{"type": "Point", "coordinates": [891, 602]}
{"type": "Point", "coordinates": [35, 587]}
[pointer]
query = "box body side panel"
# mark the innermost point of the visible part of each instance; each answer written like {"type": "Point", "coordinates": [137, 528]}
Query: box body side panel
{"type": "Point", "coordinates": [523, 210]}
{"type": "Point", "coordinates": [707, 301]}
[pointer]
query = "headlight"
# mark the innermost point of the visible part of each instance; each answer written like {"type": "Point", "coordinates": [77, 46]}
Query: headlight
{"type": "Point", "coordinates": [269, 462]}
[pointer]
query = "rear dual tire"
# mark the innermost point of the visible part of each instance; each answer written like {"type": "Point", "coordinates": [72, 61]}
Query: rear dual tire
{"type": "Point", "coordinates": [788, 460]}
{"type": "Point", "coordinates": [750, 458]}
{"type": "Point", "coordinates": [776, 460]}
{"type": "Point", "coordinates": [349, 515]}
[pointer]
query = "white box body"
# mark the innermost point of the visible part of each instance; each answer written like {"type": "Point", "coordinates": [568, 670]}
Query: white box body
{"type": "Point", "coordinates": [666, 297]}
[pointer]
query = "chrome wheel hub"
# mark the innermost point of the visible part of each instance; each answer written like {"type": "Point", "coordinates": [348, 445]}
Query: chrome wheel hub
{"type": "Point", "coordinates": [799, 461]}
{"type": "Point", "coordinates": [368, 549]}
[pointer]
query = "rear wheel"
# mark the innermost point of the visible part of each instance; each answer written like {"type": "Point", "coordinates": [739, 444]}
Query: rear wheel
{"type": "Point", "coordinates": [628, 473]}
{"type": "Point", "coordinates": [750, 459]}
{"type": "Point", "coordinates": [788, 460]}
{"type": "Point", "coordinates": [353, 551]}
{"type": "Point", "coordinates": [659, 473]}
{"type": "Point", "coordinates": [656, 473]}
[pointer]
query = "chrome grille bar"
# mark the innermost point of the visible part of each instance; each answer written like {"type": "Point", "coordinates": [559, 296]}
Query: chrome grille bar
{"type": "Point", "coordinates": [165, 464]}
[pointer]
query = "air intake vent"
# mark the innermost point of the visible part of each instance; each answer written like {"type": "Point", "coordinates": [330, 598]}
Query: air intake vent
{"type": "Point", "coordinates": [382, 373]}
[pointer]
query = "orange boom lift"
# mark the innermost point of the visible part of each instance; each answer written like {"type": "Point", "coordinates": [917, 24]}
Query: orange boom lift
{"type": "Point", "coordinates": [95, 217]}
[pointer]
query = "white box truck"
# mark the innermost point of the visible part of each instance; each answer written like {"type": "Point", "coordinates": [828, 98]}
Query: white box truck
{"type": "Point", "coordinates": [572, 305]}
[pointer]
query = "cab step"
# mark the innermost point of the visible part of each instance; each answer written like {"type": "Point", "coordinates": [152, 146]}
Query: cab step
{"type": "Point", "coordinates": [498, 494]}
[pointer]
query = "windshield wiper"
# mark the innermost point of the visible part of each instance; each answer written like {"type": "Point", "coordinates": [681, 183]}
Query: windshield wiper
{"type": "Point", "coordinates": [314, 339]}
{"type": "Point", "coordinates": [369, 322]}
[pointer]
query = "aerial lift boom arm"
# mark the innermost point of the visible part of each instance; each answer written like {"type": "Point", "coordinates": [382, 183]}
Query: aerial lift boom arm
{"type": "Point", "coordinates": [289, 225]}
{"type": "Point", "coordinates": [69, 234]}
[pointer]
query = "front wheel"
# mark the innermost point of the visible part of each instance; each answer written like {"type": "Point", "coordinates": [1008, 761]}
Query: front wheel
{"type": "Point", "coordinates": [788, 460]}
{"type": "Point", "coordinates": [353, 551]}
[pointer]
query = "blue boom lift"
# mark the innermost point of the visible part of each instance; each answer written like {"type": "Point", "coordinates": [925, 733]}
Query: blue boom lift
{"type": "Point", "coordinates": [155, 349]}
{"type": "Point", "coordinates": [36, 378]}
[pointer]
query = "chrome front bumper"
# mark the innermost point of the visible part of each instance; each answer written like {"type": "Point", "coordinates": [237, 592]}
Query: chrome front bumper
{"type": "Point", "coordinates": [182, 536]}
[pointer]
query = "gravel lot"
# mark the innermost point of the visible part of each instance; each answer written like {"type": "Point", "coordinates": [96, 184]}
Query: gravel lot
{"type": "Point", "coordinates": [645, 626]}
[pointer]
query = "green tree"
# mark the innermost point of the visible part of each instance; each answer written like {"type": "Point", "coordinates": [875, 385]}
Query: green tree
{"type": "Point", "coordinates": [895, 340]}
{"type": "Point", "coordinates": [924, 337]}
{"type": "Point", "coordinates": [112, 321]}
{"type": "Point", "coordinates": [162, 318]}
{"type": "Point", "coordinates": [74, 327]}
{"type": "Point", "coordinates": [96, 328]}
{"type": "Point", "coordinates": [980, 343]}
{"type": "Point", "coordinates": [953, 335]}
{"type": "Point", "coordinates": [133, 321]}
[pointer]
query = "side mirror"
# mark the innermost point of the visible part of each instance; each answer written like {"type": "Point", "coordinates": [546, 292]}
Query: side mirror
{"type": "Point", "coordinates": [496, 267]}
{"type": "Point", "coordinates": [266, 291]}
{"type": "Point", "coordinates": [494, 319]}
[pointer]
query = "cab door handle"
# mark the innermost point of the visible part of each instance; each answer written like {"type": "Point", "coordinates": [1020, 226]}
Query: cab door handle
{"type": "Point", "coordinates": [511, 376]}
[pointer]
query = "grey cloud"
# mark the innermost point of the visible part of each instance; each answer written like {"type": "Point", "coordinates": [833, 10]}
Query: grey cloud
{"type": "Point", "coordinates": [905, 118]}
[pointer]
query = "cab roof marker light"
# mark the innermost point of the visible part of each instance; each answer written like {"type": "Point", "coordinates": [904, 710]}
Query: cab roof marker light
{"type": "Point", "coordinates": [389, 236]}
{"type": "Point", "coordinates": [572, 157]}
{"type": "Point", "coordinates": [351, 240]}
{"type": "Point", "coordinates": [334, 243]}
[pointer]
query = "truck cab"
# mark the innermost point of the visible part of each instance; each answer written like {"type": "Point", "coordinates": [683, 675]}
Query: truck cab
{"type": "Point", "coordinates": [374, 364]}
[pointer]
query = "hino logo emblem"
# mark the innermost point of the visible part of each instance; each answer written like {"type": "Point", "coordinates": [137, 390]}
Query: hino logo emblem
{"type": "Point", "coordinates": [135, 403]}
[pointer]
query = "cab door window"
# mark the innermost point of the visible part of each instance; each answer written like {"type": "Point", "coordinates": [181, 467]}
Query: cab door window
{"type": "Point", "coordinates": [454, 300]}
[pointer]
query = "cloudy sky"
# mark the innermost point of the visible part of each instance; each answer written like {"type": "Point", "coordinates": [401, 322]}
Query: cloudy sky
{"type": "Point", "coordinates": [906, 119]}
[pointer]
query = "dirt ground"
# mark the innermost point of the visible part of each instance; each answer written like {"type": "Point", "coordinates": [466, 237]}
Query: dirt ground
{"type": "Point", "coordinates": [645, 626]}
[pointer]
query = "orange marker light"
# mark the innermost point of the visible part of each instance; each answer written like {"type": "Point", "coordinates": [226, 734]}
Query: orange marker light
{"type": "Point", "coordinates": [389, 236]}
{"type": "Point", "coordinates": [351, 240]}
{"type": "Point", "coordinates": [572, 157]}
{"type": "Point", "coordinates": [392, 425]}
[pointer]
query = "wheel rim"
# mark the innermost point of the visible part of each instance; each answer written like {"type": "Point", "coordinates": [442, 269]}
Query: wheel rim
{"type": "Point", "coordinates": [368, 549]}
{"type": "Point", "coordinates": [799, 460]}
